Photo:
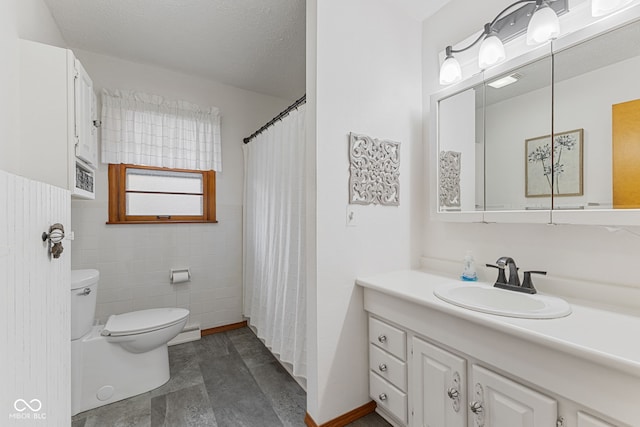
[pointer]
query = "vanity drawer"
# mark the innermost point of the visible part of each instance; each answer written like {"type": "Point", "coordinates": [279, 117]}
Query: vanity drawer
{"type": "Point", "coordinates": [388, 338]}
{"type": "Point", "coordinates": [388, 397]}
{"type": "Point", "coordinates": [388, 367]}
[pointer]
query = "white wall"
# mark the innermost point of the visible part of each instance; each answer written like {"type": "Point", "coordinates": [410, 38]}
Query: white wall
{"type": "Point", "coordinates": [9, 152]}
{"type": "Point", "coordinates": [367, 80]}
{"type": "Point", "coordinates": [134, 260]}
{"type": "Point", "coordinates": [584, 252]}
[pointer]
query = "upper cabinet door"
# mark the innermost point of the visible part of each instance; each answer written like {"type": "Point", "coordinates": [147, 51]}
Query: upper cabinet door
{"type": "Point", "coordinates": [498, 401]}
{"type": "Point", "coordinates": [84, 112]}
{"type": "Point", "coordinates": [439, 387]}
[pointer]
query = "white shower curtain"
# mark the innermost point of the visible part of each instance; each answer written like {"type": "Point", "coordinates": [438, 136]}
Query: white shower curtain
{"type": "Point", "coordinates": [274, 228]}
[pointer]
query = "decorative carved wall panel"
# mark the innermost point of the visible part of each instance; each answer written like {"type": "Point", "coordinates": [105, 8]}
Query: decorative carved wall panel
{"type": "Point", "coordinates": [374, 171]}
{"type": "Point", "coordinates": [450, 179]}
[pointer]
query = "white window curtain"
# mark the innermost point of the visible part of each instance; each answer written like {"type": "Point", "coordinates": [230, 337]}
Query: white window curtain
{"type": "Point", "coordinates": [149, 130]}
{"type": "Point", "coordinates": [274, 230]}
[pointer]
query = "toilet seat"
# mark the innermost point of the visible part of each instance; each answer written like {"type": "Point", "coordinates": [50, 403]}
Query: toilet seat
{"type": "Point", "coordinates": [143, 321]}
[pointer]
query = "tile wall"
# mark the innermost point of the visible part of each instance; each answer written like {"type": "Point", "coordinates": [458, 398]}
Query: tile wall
{"type": "Point", "coordinates": [134, 263]}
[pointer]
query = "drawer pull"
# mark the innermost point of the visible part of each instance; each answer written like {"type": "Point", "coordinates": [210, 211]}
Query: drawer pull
{"type": "Point", "coordinates": [382, 397]}
{"type": "Point", "coordinates": [382, 367]}
{"type": "Point", "coordinates": [476, 407]}
{"type": "Point", "coordinates": [453, 393]}
{"type": "Point", "coordinates": [382, 339]}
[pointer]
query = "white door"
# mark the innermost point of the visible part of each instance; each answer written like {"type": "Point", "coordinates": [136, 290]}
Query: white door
{"type": "Point", "coordinates": [497, 401]}
{"type": "Point", "coordinates": [34, 305]}
{"type": "Point", "coordinates": [438, 394]}
{"type": "Point", "coordinates": [84, 111]}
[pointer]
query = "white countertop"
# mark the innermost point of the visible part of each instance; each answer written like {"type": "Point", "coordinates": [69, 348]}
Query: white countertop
{"type": "Point", "coordinates": [598, 335]}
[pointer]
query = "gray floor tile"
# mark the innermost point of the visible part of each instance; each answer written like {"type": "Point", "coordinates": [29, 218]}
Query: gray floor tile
{"type": "Point", "coordinates": [250, 348]}
{"type": "Point", "coordinates": [188, 407]}
{"type": "Point", "coordinates": [236, 398]}
{"type": "Point", "coordinates": [223, 380]}
{"type": "Point", "coordinates": [132, 412]}
{"type": "Point", "coordinates": [185, 370]}
{"type": "Point", "coordinates": [287, 398]}
{"type": "Point", "coordinates": [371, 420]}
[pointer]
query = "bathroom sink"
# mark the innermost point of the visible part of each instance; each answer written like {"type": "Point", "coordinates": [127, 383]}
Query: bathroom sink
{"type": "Point", "coordinates": [487, 299]}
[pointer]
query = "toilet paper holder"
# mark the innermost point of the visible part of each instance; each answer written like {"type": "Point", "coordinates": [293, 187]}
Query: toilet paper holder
{"type": "Point", "coordinates": [179, 275]}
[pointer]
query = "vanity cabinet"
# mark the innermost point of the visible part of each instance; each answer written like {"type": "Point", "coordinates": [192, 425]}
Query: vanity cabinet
{"type": "Point", "coordinates": [499, 401]}
{"type": "Point", "coordinates": [450, 389]}
{"type": "Point", "coordinates": [58, 136]}
{"type": "Point", "coordinates": [439, 389]}
{"type": "Point", "coordinates": [433, 364]}
{"type": "Point", "coordinates": [388, 368]}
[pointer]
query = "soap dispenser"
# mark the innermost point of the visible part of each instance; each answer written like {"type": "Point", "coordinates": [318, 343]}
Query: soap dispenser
{"type": "Point", "coordinates": [469, 268]}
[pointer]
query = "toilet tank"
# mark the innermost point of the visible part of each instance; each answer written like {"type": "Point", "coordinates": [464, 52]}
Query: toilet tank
{"type": "Point", "coordinates": [84, 287]}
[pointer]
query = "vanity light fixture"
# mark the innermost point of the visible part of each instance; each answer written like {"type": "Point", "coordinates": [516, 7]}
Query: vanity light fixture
{"type": "Point", "coordinates": [604, 7]}
{"type": "Point", "coordinates": [538, 16]}
{"type": "Point", "coordinates": [544, 24]}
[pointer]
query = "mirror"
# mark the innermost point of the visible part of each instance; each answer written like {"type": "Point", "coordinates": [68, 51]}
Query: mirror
{"type": "Point", "coordinates": [461, 151]}
{"type": "Point", "coordinates": [494, 147]}
{"type": "Point", "coordinates": [518, 121]}
{"type": "Point", "coordinates": [597, 97]}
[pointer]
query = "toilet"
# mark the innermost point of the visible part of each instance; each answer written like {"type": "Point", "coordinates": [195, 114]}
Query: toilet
{"type": "Point", "coordinates": [125, 357]}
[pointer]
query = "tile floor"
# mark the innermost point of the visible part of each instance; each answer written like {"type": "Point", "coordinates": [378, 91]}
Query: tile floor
{"type": "Point", "coordinates": [228, 379]}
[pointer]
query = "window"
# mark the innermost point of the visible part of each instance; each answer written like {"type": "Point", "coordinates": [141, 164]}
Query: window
{"type": "Point", "coordinates": [145, 194]}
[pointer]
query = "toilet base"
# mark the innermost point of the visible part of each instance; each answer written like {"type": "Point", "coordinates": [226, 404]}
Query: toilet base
{"type": "Point", "coordinates": [104, 372]}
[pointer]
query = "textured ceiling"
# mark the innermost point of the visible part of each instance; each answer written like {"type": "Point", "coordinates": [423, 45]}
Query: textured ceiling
{"type": "Point", "coordinates": [257, 45]}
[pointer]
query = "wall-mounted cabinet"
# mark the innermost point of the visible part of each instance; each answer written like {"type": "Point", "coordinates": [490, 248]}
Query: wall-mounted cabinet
{"type": "Point", "coordinates": [550, 136]}
{"type": "Point", "coordinates": [58, 138]}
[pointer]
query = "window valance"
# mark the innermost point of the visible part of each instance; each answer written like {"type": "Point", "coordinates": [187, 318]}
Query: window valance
{"type": "Point", "coordinates": [149, 130]}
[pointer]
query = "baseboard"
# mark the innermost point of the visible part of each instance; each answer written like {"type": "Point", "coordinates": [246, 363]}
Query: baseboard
{"type": "Point", "coordinates": [343, 419]}
{"type": "Point", "coordinates": [223, 328]}
{"type": "Point", "coordinates": [188, 334]}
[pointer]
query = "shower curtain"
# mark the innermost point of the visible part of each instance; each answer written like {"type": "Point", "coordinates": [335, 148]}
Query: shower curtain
{"type": "Point", "coordinates": [273, 240]}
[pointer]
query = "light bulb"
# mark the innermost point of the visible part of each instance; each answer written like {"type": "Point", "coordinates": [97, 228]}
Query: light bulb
{"type": "Point", "coordinates": [604, 7]}
{"type": "Point", "coordinates": [450, 71]}
{"type": "Point", "coordinates": [491, 52]}
{"type": "Point", "coordinates": [543, 26]}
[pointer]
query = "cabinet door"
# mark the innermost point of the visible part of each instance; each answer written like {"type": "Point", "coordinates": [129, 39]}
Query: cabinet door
{"type": "Point", "coordinates": [500, 402]}
{"type": "Point", "coordinates": [84, 112]}
{"type": "Point", "coordinates": [438, 391]}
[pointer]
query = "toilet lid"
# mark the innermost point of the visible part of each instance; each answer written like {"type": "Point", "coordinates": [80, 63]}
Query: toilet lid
{"type": "Point", "coordinates": [138, 322]}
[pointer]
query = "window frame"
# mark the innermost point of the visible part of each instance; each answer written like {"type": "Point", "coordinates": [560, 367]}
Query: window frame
{"type": "Point", "coordinates": [118, 194]}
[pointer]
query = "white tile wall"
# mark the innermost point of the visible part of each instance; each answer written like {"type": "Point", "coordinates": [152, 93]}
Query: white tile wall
{"type": "Point", "coordinates": [134, 263]}
{"type": "Point", "coordinates": [34, 304]}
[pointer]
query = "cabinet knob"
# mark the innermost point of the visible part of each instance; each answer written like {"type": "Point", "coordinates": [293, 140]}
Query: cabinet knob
{"type": "Point", "coordinates": [382, 339]}
{"type": "Point", "coordinates": [382, 367]}
{"type": "Point", "coordinates": [382, 397]}
{"type": "Point", "coordinates": [476, 407]}
{"type": "Point", "coordinates": [453, 393]}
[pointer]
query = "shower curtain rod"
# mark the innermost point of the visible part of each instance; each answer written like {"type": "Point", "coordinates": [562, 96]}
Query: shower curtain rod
{"type": "Point", "coordinates": [286, 111]}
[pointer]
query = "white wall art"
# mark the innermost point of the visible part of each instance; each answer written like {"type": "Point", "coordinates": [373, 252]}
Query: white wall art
{"type": "Point", "coordinates": [374, 171]}
{"type": "Point", "coordinates": [450, 179]}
